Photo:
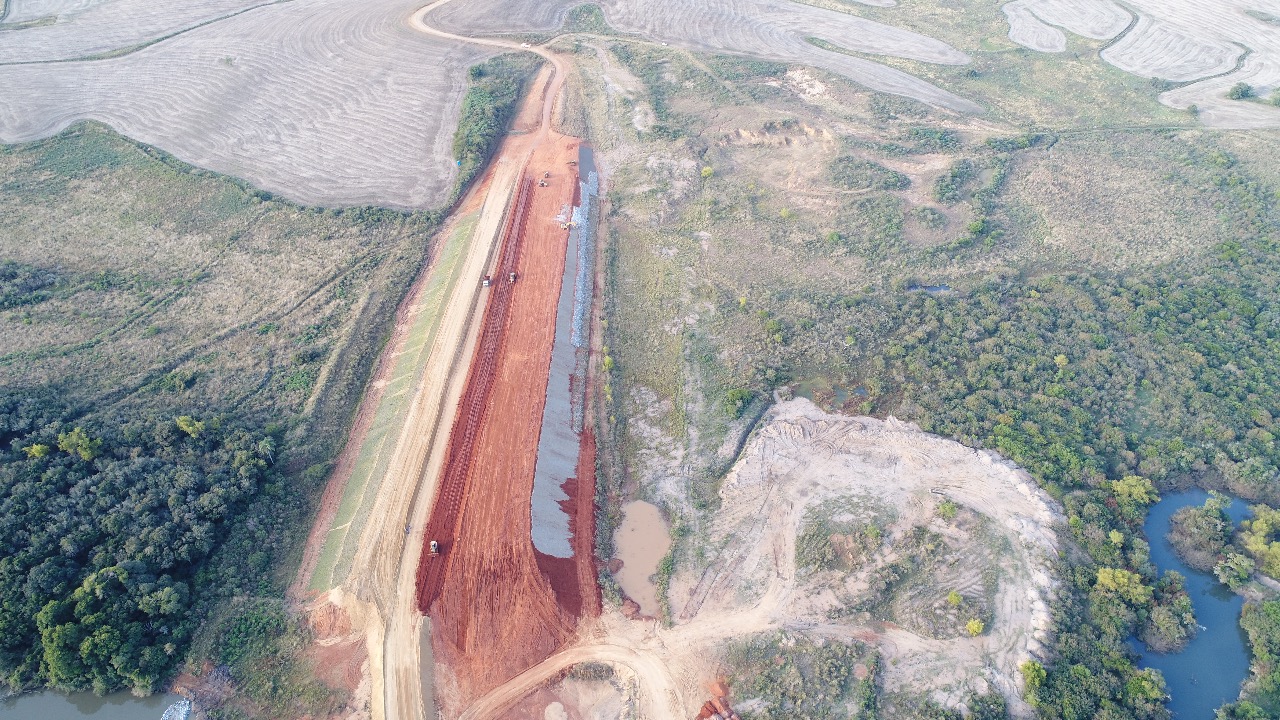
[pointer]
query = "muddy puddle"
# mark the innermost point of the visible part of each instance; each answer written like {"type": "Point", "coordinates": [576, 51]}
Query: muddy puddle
{"type": "Point", "coordinates": [641, 541]}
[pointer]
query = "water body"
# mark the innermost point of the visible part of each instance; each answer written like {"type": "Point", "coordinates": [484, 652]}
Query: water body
{"type": "Point", "coordinates": [56, 706]}
{"type": "Point", "coordinates": [819, 390]}
{"type": "Point", "coordinates": [642, 540]}
{"type": "Point", "coordinates": [1209, 671]}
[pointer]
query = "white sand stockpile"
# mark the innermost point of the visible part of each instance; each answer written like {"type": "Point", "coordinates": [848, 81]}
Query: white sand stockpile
{"type": "Point", "coordinates": [1203, 43]}
{"type": "Point", "coordinates": [801, 458]}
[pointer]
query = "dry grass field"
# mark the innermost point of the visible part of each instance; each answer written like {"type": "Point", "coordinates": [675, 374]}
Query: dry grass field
{"type": "Point", "coordinates": [162, 286]}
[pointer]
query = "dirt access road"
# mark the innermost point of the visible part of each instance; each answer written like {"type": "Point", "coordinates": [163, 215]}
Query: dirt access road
{"type": "Point", "coordinates": [380, 593]}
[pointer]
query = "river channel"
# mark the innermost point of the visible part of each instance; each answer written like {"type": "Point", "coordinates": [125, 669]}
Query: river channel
{"type": "Point", "coordinates": [56, 706]}
{"type": "Point", "coordinates": [1209, 671]}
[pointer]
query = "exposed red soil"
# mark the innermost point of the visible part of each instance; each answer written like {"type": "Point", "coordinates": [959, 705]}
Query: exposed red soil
{"type": "Point", "coordinates": [337, 654]}
{"type": "Point", "coordinates": [496, 606]}
{"type": "Point", "coordinates": [529, 119]}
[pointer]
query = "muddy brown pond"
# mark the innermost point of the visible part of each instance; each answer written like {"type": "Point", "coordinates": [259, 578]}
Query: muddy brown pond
{"type": "Point", "coordinates": [642, 540]}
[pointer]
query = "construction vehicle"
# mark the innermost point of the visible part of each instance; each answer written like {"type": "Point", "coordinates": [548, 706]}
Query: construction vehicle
{"type": "Point", "coordinates": [546, 174]}
{"type": "Point", "coordinates": [434, 547]}
{"type": "Point", "coordinates": [512, 278]}
{"type": "Point", "coordinates": [486, 282]}
{"type": "Point", "coordinates": [542, 183]}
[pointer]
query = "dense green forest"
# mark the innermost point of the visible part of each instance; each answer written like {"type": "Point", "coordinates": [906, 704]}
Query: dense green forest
{"type": "Point", "coordinates": [103, 531]}
{"type": "Point", "coordinates": [182, 355]}
{"type": "Point", "coordinates": [1105, 386]}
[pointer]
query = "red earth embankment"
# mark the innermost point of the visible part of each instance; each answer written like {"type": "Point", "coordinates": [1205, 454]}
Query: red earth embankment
{"type": "Point", "coordinates": [497, 606]}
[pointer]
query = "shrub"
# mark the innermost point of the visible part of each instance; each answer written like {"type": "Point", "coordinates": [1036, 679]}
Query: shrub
{"type": "Point", "coordinates": [853, 173]}
{"type": "Point", "coordinates": [1240, 91]}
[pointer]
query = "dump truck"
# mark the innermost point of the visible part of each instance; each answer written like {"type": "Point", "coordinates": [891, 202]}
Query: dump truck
{"type": "Point", "coordinates": [486, 282]}
{"type": "Point", "coordinates": [434, 547]}
{"type": "Point", "coordinates": [512, 278]}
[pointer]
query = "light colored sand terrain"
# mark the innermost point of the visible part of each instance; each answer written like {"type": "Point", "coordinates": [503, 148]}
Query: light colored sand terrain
{"type": "Point", "coordinates": [1030, 31]}
{"type": "Point", "coordinates": [333, 102]}
{"type": "Point", "coordinates": [1155, 48]}
{"type": "Point", "coordinates": [1178, 40]}
{"type": "Point", "coordinates": [1095, 19]}
{"type": "Point", "coordinates": [21, 11]}
{"type": "Point", "coordinates": [757, 28]}
{"type": "Point", "coordinates": [87, 27]}
{"type": "Point", "coordinates": [323, 101]}
{"type": "Point", "coordinates": [798, 459]}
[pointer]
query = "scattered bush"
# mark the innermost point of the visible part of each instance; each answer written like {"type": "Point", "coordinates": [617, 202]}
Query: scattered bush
{"type": "Point", "coordinates": [854, 173]}
{"type": "Point", "coordinates": [949, 186]}
{"type": "Point", "coordinates": [1240, 91]}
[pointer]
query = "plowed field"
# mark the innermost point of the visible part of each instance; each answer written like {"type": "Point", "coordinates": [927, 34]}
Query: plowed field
{"type": "Point", "coordinates": [495, 612]}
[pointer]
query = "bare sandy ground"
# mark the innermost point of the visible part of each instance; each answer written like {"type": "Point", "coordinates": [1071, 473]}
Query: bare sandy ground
{"type": "Point", "coordinates": [382, 579]}
{"type": "Point", "coordinates": [799, 458]}
{"type": "Point", "coordinates": [70, 29]}
{"type": "Point", "coordinates": [323, 101]}
{"type": "Point", "coordinates": [381, 593]}
{"type": "Point", "coordinates": [756, 28]}
{"type": "Point", "coordinates": [1211, 45]}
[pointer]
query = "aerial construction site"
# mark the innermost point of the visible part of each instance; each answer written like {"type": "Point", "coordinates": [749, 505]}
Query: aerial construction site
{"type": "Point", "coordinates": [458, 534]}
{"type": "Point", "coordinates": [475, 506]}
{"type": "Point", "coordinates": [498, 602]}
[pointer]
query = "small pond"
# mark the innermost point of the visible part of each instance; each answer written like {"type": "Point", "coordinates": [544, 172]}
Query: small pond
{"type": "Point", "coordinates": [642, 540]}
{"type": "Point", "coordinates": [1209, 671]}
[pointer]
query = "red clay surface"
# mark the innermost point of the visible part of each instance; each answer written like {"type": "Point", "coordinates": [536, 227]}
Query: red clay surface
{"type": "Point", "coordinates": [496, 609]}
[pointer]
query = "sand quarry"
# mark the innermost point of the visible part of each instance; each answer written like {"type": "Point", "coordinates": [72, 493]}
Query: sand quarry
{"type": "Point", "coordinates": [342, 103]}
{"type": "Point", "coordinates": [799, 459]}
